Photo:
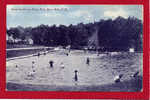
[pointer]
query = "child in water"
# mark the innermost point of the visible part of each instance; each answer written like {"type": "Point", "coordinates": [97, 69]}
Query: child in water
{"type": "Point", "coordinates": [51, 63]}
{"type": "Point", "coordinates": [33, 66]}
{"type": "Point", "coordinates": [76, 77]}
{"type": "Point", "coordinates": [62, 65]}
{"type": "Point", "coordinates": [32, 72]}
{"type": "Point", "coordinates": [87, 61]}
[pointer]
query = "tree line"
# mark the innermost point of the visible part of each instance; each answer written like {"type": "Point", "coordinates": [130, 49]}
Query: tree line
{"type": "Point", "coordinates": [118, 34]}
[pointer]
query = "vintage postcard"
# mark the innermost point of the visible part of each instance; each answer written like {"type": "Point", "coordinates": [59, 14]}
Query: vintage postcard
{"type": "Point", "coordinates": [74, 48]}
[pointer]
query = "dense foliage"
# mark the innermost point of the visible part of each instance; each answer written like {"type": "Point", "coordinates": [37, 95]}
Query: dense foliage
{"type": "Point", "coordinates": [118, 34]}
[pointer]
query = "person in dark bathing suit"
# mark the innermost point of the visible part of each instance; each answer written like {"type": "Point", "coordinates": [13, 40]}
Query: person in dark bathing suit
{"type": "Point", "coordinates": [88, 61]}
{"type": "Point", "coordinates": [76, 76]}
{"type": "Point", "coordinates": [51, 63]}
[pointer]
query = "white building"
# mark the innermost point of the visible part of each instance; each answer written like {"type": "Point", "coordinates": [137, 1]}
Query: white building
{"type": "Point", "coordinates": [131, 50]}
{"type": "Point", "coordinates": [10, 39]}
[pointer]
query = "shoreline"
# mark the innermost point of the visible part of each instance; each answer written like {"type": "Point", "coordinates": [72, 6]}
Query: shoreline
{"type": "Point", "coordinates": [133, 85]}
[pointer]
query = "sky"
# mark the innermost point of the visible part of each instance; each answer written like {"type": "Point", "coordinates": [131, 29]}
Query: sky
{"type": "Point", "coordinates": [34, 15]}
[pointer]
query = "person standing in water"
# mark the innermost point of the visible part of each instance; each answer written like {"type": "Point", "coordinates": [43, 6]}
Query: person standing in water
{"type": "Point", "coordinates": [87, 61]}
{"type": "Point", "coordinates": [32, 72]}
{"type": "Point", "coordinates": [51, 63]}
{"type": "Point", "coordinates": [62, 65]}
{"type": "Point", "coordinates": [76, 76]}
{"type": "Point", "coordinates": [17, 68]}
{"type": "Point", "coordinates": [38, 54]}
{"type": "Point", "coordinates": [33, 66]}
